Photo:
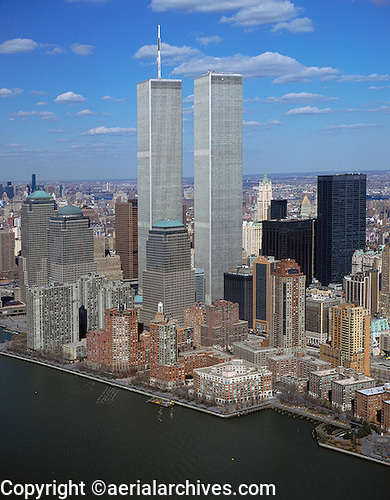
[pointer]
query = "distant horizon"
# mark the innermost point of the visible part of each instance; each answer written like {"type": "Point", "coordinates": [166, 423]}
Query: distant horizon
{"type": "Point", "coordinates": [259, 175]}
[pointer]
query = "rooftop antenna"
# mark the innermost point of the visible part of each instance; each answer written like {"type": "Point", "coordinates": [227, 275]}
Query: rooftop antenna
{"type": "Point", "coordinates": [158, 53]}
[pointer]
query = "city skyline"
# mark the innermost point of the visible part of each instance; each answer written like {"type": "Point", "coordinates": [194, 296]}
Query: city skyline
{"type": "Point", "coordinates": [68, 89]}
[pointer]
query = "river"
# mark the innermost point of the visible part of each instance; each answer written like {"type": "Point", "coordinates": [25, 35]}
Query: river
{"type": "Point", "coordinates": [57, 426]}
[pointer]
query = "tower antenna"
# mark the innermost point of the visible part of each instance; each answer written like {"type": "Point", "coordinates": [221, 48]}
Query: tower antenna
{"type": "Point", "coordinates": [158, 53]}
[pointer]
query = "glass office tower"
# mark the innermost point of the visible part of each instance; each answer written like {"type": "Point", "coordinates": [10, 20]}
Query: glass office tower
{"type": "Point", "coordinates": [159, 157]}
{"type": "Point", "coordinates": [217, 177]}
{"type": "Point", "coordinates": [341, 224]}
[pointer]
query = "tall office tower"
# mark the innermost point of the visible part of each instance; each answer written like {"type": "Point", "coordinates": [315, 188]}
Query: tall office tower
{"type": "Point", "coordinates": [126, 237]}
{"type": "Point", "coordinates": [159, 157]}
{"type": "Point", "coordinates": [288, 307]}
{"type": "Point", "coordinates": [263, 268]}
{"type": "Point", "coordinates": [33, 183]}
{"type": "Point", "coordinates": [217, 177]}
{"type": "Point", "coordinates": [37, 210]}
{"type": "Point", "coordinates": [7, 250]}
{"type": "Point", "coordinates": [318, 305]}
{"type": "Point", "coordinates": [199, 285]}
{"type": "Point", "coordinates": [278, 209]}
{"type": "Point", "coordinates": [222, 325]}
{"type": "Point", "coordinates": [306, 207]}
{"type": "Point", "coordinates": [291, 239]}
{"type": "Point", "coordinates": [52, 316]}
{"type": "Point", "coordinates": [384, 298]}
{"type": "Point", "coordinates": [350, 334]}
{"type": "Point", "coordinates": [264, 197]}
{"type": "Point", "coordinates": [71, 246]}
{"type": "Point", "coordinates": [238, 287]}
{"type": "Point", "coordinates": [252, 233]}
{"type": "Point", "coordinates": [362, 289]}
{"type": "Point", "coordinates": [168, 277]}
{"type": "Point", "coordinates": [341, 224]}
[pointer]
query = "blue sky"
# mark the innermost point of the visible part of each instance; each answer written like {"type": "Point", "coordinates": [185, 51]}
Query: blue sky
{"type": "Point", "coordinates": [316, 81]}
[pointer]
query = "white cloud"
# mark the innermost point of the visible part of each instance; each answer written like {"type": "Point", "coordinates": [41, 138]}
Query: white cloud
{"type": "Point", "coordinates": [69, 98]}
{"type": "Point", "coordinates": [364, 78]}
{"type": "Point", "coordinates": [205, 40]}
{"type": "Point", "coordinates": [352, 127]}
{"type": "Point", "coordinates": [83, 112]}
{"type": "Point", "coordinates": [58, 131]}
{"type": "Point", "coordinates": [82, 50]}
{"type": "Point", "coordinates": [270, 64]}
{"type": "Point", "coordinates": [110, 98]}
{"type": "Point", "coordinates": [10, 92]}
{"type": "Point", "coordinates": [113, 131]}
{"type": "Point", "coordinates": [264, 12]}
{"type": "Point", "coordinates": [170, 53]}
{"type": "Point", "coordinates": [247, 13]}
{"type": "Point", "coordinates": [41, 103]}
{"type": "Point", "coordinates": [261, 126]}
{"type": "Point", "coordinates": [43, 115]}
{"type": "Point", "coordinates": [383, 109]}
{"type": "Point", "coordinates": [299, 97]}
{"type": "Point", "coordinates": [55, 50]}
{"type": "Point", "coordinates": [309, 110]}
{"type": "Point", "coordinates": [15, 145]}
{"type": "Point", "coordinates": [298, 25]}
{"type": "Point", "coordinates": [18, 45]}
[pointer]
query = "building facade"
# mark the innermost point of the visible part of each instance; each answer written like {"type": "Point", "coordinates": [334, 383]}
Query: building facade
{"type": "Point", "coordinates": [341, 224]}
{"type": "Point", "coordinates": [217, 177]}
{"type": "Point", "coordinates": [159, 157]}
{"type": "Point", "coordinates": [126, 237]}
{"type": "Point", "coordinates": [238, 287]}
{"type": "Point", "coordinates": [264, 197]}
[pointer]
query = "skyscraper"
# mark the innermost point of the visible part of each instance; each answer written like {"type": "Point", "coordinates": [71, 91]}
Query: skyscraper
{"type": "Point", "coordinates": [159, 157]}
{"type": "Point", "coordinates": [350, 333]}
{"type": "Point", "coordinates": [126, 237]}
{"type": "Point", "coordinates": [168, 277]}
{"type": "Point", "coordinates": [264, 197]}
{"type": "Point", "coordinates": [341, 224]}
{"type": "Point", "coordinates": [288, 311]}
{"type": "Point", "coordinates": [217, 177]}
{"type": "Point", "coordinates": [71, 246]}
{"type": "Point", "coordinates": [37, 210]}
{"type": "Point", "coordinates": [291, 239]}
{"type": "Point", "coordinates": [263, 268]}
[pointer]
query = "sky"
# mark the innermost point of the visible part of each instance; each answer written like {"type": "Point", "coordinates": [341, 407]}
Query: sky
{"type": "Point", "coordinates": [316, 81]}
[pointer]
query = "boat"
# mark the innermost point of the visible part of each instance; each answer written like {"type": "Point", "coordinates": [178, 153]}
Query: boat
{"type": "Point", "coordinates": [166, 403]}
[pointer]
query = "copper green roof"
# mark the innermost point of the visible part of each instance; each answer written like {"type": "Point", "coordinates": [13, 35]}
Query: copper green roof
{"type": "Point", "coordinates": [70, 210]}
{"type": "Point", "coordinates": [39, 194]}
{"type": "Point", "coordinates": [168, 223]}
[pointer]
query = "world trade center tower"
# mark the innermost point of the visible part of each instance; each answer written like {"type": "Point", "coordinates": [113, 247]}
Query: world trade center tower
{"type": "Point", "coordinates": [159, 157]}
{"type": "Point", "coordinates": [217, 177]}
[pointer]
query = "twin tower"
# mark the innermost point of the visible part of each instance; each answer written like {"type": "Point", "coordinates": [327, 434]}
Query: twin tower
{"type": "Point", "coordinates": [217, 168]}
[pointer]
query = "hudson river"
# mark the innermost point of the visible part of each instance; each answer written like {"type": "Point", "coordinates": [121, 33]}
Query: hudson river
{"type": "Point", "coordinates": [56, 426]}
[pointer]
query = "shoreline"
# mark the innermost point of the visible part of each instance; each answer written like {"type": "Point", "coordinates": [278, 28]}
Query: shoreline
{"type": "Point", "coordinates": [295, 412]}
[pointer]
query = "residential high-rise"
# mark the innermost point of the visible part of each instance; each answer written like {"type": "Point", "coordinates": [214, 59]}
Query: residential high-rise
{"type": "Point", "coordinates": [71, 245]}
{"type": "Point", "coordinates": [52, 316]}
{"type": "Point", "coordinates": [217, 177]}
{"type": "Point", "coordinates": [7, 250]}
{"type": "Point", "coordinates": [362, 289]}
{"type": "Point", "coordinates": [126, 237]}
{"type": "Point", "coordinates": [288, 307]}
{"type": "Point", "coordinates": [168, 277]}
{"type": "Point", "coordinates": [350, 334]}
{"type": "Point", "coordinates": [37, 210]}
{"type": "Point", "coordinates": [159, 157]}
{"type": "Point", "coordinates": [384, 297]}
{"type": "Point", "coordinates": [238, 287]}
{"type": "Point", "coordinates": [318, 305]}
{"type": "Point", "coordinates": [263, 268]}
{"type": "Point", "coordinates": [341, 224]}
{"type": "Point", "coordinates": [264, 197]}
{"type": "Point", "coordinates": [291, 239]}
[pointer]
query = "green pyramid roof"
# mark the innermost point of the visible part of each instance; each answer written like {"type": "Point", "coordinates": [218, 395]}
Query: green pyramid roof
{"type": "Point", "coordinates": [39, 194]}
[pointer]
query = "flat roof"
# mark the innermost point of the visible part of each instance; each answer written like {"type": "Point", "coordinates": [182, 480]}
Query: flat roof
{"type": "Point", "coordinates": [371, 391]}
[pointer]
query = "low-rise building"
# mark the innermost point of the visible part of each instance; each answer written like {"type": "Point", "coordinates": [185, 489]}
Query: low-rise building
{"type": "Point", "coordinates": [235, 382]}
{"type": "Point", "coordinates": [283, 364]}
{"type": "Point", "coordinates": [252, 350]}
{"type": "Point", "coordinates": [343, 391]}
{"type": "Point", "coordinates": [368, 402]}
{"type": "Point", "coordinates": [75, 351]}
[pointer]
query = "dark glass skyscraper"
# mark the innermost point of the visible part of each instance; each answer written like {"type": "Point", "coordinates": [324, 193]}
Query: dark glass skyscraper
{"type": "Point", "coordinates": [291, 239]}
{"type": "Point", "coordinates": [341, 224]}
